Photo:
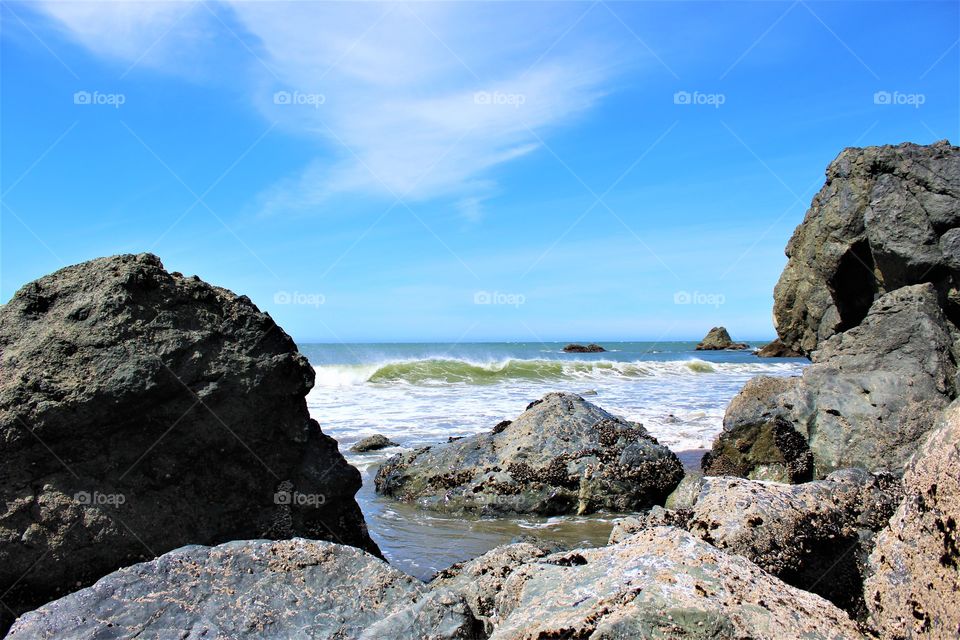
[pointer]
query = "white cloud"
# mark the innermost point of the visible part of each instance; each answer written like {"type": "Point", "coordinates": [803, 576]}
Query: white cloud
{"type": "Point", "coordinates": [414, 101]}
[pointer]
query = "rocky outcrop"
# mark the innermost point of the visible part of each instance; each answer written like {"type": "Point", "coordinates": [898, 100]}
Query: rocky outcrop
{"type": "Point", "coordinates": [869, 398]}
{"type": "Point", "coordinates": [915, 567]}
{"type": "Point", "coordinates": [763, 450]}
{"type": "Point", "coordinates": [480, 580]}
{"type": "Point", "coordinates": [142, 410]}
{"type": "Point", "coordinates": [886, 218]}
{"type": "Point", "coordinates": [252, 589]}
{"type": "Point", "coordinates": [373, 443]}
{"type": "Point", "coordinates": [660, 583]}
{"type": "Point", "coordinates": [579, 348]}
{"type": "Point", "coordinates": [562, 455]}
{"type": "Point", "coordinates": [776, 349]}
{"type": "Point", "coordinates": [718, 339]}
{"type": "Point", "coordinates": [815, 536]}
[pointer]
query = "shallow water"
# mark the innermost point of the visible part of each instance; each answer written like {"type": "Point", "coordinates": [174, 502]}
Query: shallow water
{"type": "Point", "coordinates": [420, 394]}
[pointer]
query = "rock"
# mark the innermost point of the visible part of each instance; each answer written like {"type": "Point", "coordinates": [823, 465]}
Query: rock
{"type": "Point", "coordinates": [915, 565]}
{"type": "Point", "coordinates": [769, 449]}
{"type": "Point", "coordinates": [685, 495]}
{"type": "Point", "coordinates": [579, 348]}
{"type": "Point", "coordinates": [815, 536]}
{"type": "Point", "coordinates": [868, 399]}
{"type": "Point", "coordinates": [373, 443]}
{"type": "Point", "coordinates": [562, 455]}
{"type": "Point", "coordinates": [141, 411]}
{"type": "Point", "coordinates": [777, 349]}
{"type": "Point", "coordinates": [480, 581]}
{"type": "Point", "coordinates": [624, 528]}
{"type": "Point", "coordinates": [251, 589]}
{"type": "Point", "coordinates": [660, 583]}
{"type": "Point", "coordinates": [884, 219]}
{"type": "Point", "coordinates": [718, 339]}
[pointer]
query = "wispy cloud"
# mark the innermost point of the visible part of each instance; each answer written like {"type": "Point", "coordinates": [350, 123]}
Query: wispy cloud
{"type": "Point", "coordinates": [411, 101]}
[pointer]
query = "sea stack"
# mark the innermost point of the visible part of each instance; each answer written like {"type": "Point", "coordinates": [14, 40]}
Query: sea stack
{"type": "Point", "coordinates": [717, 339]}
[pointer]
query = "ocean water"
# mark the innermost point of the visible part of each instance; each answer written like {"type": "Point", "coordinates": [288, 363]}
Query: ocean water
{"type": "Point", "coordinates": [422, 394]}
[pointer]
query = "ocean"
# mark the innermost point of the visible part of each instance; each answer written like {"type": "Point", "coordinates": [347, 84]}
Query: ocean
{"type": "Point", "coordinates": [422, 394]}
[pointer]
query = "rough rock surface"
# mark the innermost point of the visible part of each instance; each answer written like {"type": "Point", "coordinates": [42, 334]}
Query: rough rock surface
{"type": "Point", "coordinates": [763, 450]}
{"type": "Point", "coordinates": [562, 455]}
{"type": "Point", "coordinates": [868, 399]}
{"type": "Point", "coordinates": [660, 583]}
{"type": "Point", "coordinates": [251, 589]}
{"type": "Point", "coordinates": [480, 580]}
{"type": "Point", "coordinates": [718, 339]}
{"type": "Point", "coordinates": [759, 440]}
{"type": "Point", "coordinates": [815, 536]}
{"type": "Point", "coordinates": [579, 348]}
{"type": "Point", "coordinates": [776, 349]}
{"type": "Point", "coordinates": [914, 587]}
{"type": "Point", "coordinates": [685, 495]}
{"type": "Point", "coordinates": [373, 443]}
{"type": "Point", "coordinates": [886, 218]}
{"type": "Point", "coordinates": [142, 410]}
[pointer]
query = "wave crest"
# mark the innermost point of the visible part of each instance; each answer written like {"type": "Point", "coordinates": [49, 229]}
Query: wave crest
{"type": "Point", "coordinates": [443, 371]}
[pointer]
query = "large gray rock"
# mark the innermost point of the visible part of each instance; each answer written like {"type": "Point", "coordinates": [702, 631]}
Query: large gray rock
{"type": "Point", "coordinates": [562, 455]}
{"type": "Point", "coordinates": [886, 218]}
{"type": "Point", "coordinates": [913, 588]}
{"type": "Point", "coordinates": [869, 398]}
{"type": "Point", "coordinates": [815, 536]}
{"type": "Point", "coordinates": [480, 580]}
{"type": "Point", "coordinates": [142, 410]}
{"type": "Point", "coordinates": [660, 583]}
{"type": "Point", "coordinates": [252, 589]}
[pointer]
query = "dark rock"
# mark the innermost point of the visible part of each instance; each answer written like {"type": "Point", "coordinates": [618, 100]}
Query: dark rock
{"type": "Point", "coordinates": [885, 219]}
{"type": "Point", "coordinates": [762, 450]}
{"type": "Point", "coordinates": [659, 583]}
{"type": "Point", "coordinates": [868, 399]}
{"type": "Point", "coordinates": [915, 565]}
{"type": "Point", "coordinates": [579, 348]}
{"type": "Point", "coordinates": [777, 349]}
{"type": "Point", "coordinates": [253, 589]}
{"type": "Point", "coordinates": [141, 411]}
{"type": "Point", "coordinates": [562, 455]}
{"type": "Point", "coordinates": [373, 443]}
{"type": "Point", "coordinates": [718, 339]}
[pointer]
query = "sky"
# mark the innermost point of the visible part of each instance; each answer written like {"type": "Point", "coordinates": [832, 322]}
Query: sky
{"type": "Point", "coordinates": [455, 171]}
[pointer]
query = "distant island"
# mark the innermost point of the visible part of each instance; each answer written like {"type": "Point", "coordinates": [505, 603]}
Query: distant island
{"type": "Point", "coordinates": [579, 348]}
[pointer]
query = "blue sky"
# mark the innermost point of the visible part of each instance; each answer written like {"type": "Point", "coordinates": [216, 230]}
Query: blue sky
{"type": "Point", "coordinates": [456, 171]}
